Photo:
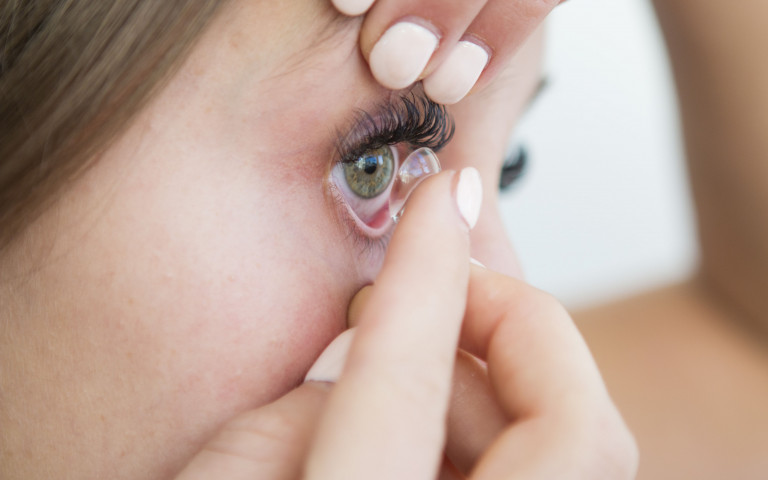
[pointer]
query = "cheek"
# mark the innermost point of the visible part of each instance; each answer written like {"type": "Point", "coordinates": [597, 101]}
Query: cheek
{"type": "Point", "coordinates": [262, 285]}
{"type": "Point", "coordinates": [193, 296]}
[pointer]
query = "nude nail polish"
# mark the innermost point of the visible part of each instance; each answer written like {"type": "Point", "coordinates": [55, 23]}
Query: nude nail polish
{"type": "Point", "coordinates": [456, 76]}
{"type": "Point", "coordinates": [401, 54]}
{"type": "Point", "coordinates": [474, 261]}
{"type": "Point", "coordinates": [352, 8]}
{"type": "Point", "coordinates": [469, 195]}
{"type": "Point", "coordinates": [329, 365]}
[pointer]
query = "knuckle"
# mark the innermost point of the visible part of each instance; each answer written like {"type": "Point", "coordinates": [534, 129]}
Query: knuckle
{"type": "Point", "coordinates": [536, 303]}
{"type": "Point", "coordinates": [420, 389]}
{"type": "Point", "coordinates": [537, 9]}
{"type": "Point", "coordinates": [545, 5]}
{"type": "Point", "coordinates": [261, 429]}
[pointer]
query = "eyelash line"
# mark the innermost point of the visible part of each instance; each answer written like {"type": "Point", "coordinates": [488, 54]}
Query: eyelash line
{"type": "Point", "coordinates": [413, 119]}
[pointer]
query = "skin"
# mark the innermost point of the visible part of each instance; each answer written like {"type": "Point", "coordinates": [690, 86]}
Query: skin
{"type": "Point", "coordinates": [688, 363]}
{"type": "Point", "coordinates": [158, 298]}
{"type": "Point", "coordinates": [186, 234]}
{"type": "Point", "coordinates": [539, 410]}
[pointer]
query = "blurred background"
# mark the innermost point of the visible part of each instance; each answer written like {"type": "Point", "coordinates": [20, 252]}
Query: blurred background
{"type": "Point", "coordinates": [603, 209]}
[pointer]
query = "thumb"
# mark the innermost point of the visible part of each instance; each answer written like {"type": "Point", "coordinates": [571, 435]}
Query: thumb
{"type": "Point", "coordinates": [270, 442]}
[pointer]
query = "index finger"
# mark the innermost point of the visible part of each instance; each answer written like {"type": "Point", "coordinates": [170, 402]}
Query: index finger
{"type": "Point", "coordinates": [504, 25]}
{"type": "Point", "coordinates": [386, 416]}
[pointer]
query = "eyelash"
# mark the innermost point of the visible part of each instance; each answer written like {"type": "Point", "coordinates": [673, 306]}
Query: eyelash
{"type": "Point", "coordinates": [412, 120]}
{"type": "Point", "coordinates": [364, 243]}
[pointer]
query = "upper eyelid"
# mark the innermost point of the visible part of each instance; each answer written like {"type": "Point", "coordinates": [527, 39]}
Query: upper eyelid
{"type": "Point", "coordinates": [413, 118]}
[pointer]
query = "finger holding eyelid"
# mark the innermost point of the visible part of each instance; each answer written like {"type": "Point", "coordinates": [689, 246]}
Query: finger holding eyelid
{"type": "Point", "coordinates": [405, 41]}
{"type": "Point", "coordinates": [504, 26]}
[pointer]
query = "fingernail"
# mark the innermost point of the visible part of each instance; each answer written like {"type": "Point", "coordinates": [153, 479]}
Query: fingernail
{"type": "Point", "coordinates": [328, 366]}
{"type": "Point", "coordinates": [475, 262]}
{"type": "Point", "coordinates": [352, 8]}
{"type": "Point", "coordinates": [456, 76]}
{"type": "Point", "coordinates": [469, 195]}
{"type": "Point", "coordinates": [401, 54]}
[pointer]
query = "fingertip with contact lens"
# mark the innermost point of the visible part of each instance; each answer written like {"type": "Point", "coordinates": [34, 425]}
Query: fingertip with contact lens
{"type": "Point", "coordinates": [418, 166]}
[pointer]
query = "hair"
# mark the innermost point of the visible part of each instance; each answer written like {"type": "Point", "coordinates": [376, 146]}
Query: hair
{"type": "Point", "coordinates": [73, 73]}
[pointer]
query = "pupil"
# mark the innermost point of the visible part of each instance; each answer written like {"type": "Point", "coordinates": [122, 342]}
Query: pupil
{"type": "Point", "coordinates": [370, 165]}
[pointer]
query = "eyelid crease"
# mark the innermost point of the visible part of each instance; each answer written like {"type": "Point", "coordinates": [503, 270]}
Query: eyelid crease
{"type": "Point", "coordinates": [411, 118]}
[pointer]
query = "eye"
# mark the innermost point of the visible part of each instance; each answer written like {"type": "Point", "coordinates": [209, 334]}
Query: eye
{"type": "Point", "coordinates": [364, 186]}
{"type": "Point", "coordinates": [371, 174]}
{"type": "Point", "coordinates": [513, 168]}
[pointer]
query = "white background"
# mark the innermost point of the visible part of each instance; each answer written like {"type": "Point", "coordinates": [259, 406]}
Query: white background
{"type": "Point", "coordinates": [603, 209]}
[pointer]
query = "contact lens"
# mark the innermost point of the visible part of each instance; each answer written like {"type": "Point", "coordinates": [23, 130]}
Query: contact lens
{"type": "Point", "coordinates": [417, 166]}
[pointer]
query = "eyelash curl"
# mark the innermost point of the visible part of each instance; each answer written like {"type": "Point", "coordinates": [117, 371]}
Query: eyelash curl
{"type": "Point", "coordinates": [413, 119]}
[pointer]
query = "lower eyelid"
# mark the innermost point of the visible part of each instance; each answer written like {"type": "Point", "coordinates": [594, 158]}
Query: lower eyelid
{"type": "Point", "coordinates": [372, 240]}
{"type": "Point", "coordinates": [371, 243]}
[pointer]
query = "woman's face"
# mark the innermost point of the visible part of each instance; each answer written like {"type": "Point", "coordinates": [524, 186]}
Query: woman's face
{"type": "Point", "coordinates": [204, 261]}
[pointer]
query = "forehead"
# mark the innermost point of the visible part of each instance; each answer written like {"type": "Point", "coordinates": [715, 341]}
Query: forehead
{"type": "Point", "coordinates": [280, 37]}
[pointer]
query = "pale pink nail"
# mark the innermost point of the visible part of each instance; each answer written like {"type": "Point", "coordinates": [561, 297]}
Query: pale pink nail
{"type": "Point", "coordinates": [352, 8]}
{"type": "Point", "coordinates": [401, 54]}
{"type": "Point", "coordinates": [469, 195]}
{"type": "Point", "coordinates": [329, 365]}
{"type": "Point", "coordinates": [456, 76]}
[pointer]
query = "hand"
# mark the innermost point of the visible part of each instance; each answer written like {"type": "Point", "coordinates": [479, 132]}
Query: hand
{"type": "Point", "coordinates": [541, 412]}
{"type": "Point", "coordinates": [454, 45]}
{"type": "Point", "coordinates": [484, 124]}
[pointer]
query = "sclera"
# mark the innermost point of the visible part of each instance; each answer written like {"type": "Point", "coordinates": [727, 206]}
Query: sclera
{"type": "Point", "coordinates": [417, 166]}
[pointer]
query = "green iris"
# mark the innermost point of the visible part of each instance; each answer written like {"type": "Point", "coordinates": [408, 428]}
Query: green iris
{"type": "Point", "coordinates": [370, 174]}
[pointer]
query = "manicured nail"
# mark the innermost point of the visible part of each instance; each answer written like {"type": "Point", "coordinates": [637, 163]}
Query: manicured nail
{"type": "Point", "coordinates": [328, 366]}
{"type": "Point", "coordinates": [475, 262]}
{"type": "Point", "coordinates": [469, 195]}
{"type": "Point", "coordinates": [401, 54]}
{"type": "Point", "coordinates": [352, 8]}
{"type": "Point", "coordinates": [456, 76]}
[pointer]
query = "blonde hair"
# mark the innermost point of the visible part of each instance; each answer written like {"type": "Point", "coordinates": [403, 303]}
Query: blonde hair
{"type": "Point", "coordinates": [72, 74]}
